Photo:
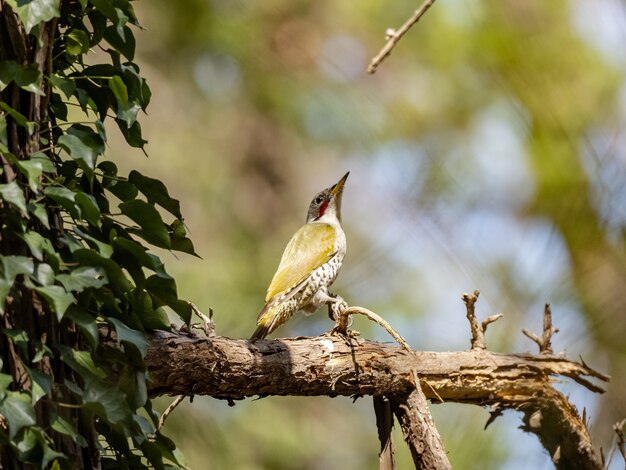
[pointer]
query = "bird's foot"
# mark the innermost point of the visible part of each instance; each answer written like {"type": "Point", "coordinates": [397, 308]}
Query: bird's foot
{"type": "Point", "coordinates": [336, 306]}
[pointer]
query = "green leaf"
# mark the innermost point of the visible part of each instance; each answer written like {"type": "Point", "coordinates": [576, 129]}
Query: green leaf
{"type": "Point", "coordinates": [117, 279]}
{"type": "Point", "coordinates": [89, 208]}
{"type": "Point", "coordinates": [19, 339]}
{"type": "Point", "coordinates": [37, 244]}
{"type": "Point", "coordinates": [57, 299]}
{"type": "Point", "coordinates": [34, 12]}
{"type": "Point", "coordinates": [84, 145]}
{"type": "Point", "coordinates": [137, 251]}
{"type": "Point", "coordinates": [17, 410]}
{"type": "Point", "coordinates": [149, 219]}
{"type": "Point", "coordinates": [82, 361]}
{"type": "Point", "coordinates": [104, 249]}
{"type": "Point", "coordinates": [28, 78]}
{"type": "Point", "coordinates": [151, 318]}
{"type": "Point", "coordinates": [77, 42]}
{"type": "Point", "coordinates": [65, 197]}
{"type": "Point", "coordinates": [12, 193]}
{"type": "Point", "coordinates": [10, 268]}
{"type": "Point", "coordinates": [119, 90]}
{"type": "Point", "coordinates": [82, 278]}
{"type": "Point", "coordinates": [107, 401]}
{"type": "Point", "coordinates": [156, 192]}
{"type": "Point", "coordinates": [41, 384]}
{"type": "Point", "coordinates": [44, 274]}
{"type": "Point", "coordinates": [68, 87]}
{"type": "Point", "coordinates": [8, 69]}
{"type": "Point", "coordinates": [130, 336]}
{"type": "Point", "coordinates": [123, 190]}
{"type": "Point", "coordinates": [40, 213]}
{"type": "Point", "coordinates": [165, 291]}
{"type": "Point", "coordinates": [18, 117]}
{"type": "Point", "coordinates": [62, 426]}
{"type": "Point", "coordinates": [86, 323]}
{"type": "Point", "coordinates": [124, 43]}
{"type": "Point", "coordinates": [132, 134]}
{"type": "Point", "coordinates": [126, 110]}
{"type": "Point", "coordinates": [33, 170]}
{"type": "Point", "coordinates": [33, 448]}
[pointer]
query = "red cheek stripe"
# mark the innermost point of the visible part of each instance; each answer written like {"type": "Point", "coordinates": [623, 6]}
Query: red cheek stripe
{"type": "Point", "coordinates": [323, 208]}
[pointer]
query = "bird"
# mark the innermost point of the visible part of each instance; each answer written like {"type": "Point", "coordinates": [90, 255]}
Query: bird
{"type": "Point", "coordinates": [309, 265]}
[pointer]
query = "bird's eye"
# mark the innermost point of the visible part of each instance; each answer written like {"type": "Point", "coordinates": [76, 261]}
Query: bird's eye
{"type": "Point", "coordinates": [319, 199]}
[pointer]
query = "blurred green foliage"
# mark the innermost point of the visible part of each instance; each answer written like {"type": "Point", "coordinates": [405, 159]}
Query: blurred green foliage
{"type": "Point", "coordinates": [487, 152]}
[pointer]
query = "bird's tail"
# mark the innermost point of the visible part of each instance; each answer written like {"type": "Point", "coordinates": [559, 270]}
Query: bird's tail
{"type": "Point", "coordinates": [260, 333]}
{"type": "Point", "coordinates": [266, 322]}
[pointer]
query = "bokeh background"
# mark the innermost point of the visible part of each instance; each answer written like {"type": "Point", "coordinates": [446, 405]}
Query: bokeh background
{"type": "Point", "coordinates": [488, 152]}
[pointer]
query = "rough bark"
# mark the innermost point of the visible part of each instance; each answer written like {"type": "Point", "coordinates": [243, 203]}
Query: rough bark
{"type": "Point", "coordinates": [384, 424]}
{"type": "Point", "coordinates": [185, 364]}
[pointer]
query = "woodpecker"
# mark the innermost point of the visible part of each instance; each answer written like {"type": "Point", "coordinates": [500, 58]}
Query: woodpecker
{"type": "Point", "coordinates": [309, 265]}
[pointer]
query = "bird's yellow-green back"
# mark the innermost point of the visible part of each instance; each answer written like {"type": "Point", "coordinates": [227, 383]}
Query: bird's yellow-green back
{"type": "Point", "coordinates": [312, 245]}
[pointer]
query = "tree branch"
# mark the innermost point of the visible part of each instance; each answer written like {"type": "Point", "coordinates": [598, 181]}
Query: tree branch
{"type": "Point", "coordinates": [393, 36]}
{"type": "Point", "coordinates": [185, 364]}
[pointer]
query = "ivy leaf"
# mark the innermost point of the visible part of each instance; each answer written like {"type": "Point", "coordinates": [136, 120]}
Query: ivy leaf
{"type": "Point", "coordinates": [125, 42]}
{"type": "Point", "coordinates": [84, 145]}
{"type": "Point", "coordinates": [149, 219]}
{"type": "Point", "coordinates": [132, 134]}
{"type": "Point", "coordinates": [82, 362]}
{"type": "Point", "coordinates": [137, 251]}
{"type": "Point", "coordinates": [33, 170]}
{"type": "Point", "coordinates": [40, 213]}
{"type": "Point", "coordinates": [86, 323]}
{"type": "Point", "coordinates": [41, 384]}
{"type": "Point", "coordinates": [17, 410]}
{"type": "Point", "coordinates": [77, 42]}
{"type": "Point", "coordinates": [164, 290]}
{"type": "Point", "coordinates": [29, 78]}
{"type": "Point", "coordinates": [64, 427]}
{"type": "Point", "coordinates": [8, 69]}
{"type": "Point", "coordinates": [34, 12]}
{"type": "Point", "coordinates": [18, 117]}
{"type": "Point", "coordinates": [117, 279]}
{"type": "Point", "coordinates": [33, 448]}
{"type": "Point", "coordinates": [43, 274]}
{"type": "Point", "coordinates": [82, 278]}
{"type": "Point", "coordinates": [104, 249]}
{"type": "Point", "coordinates": [10, 268]}
{"type": "Point", "coordinates": [156, 192]}
{"type": "Point", "coordinates": [57, 299]}
{"type": "Point", "coordinates": [68, 87]}
{"type": "Point", "coordinates": [37, 244]}
{"type": "Point", "coordinates": [130, 336]}
{"type": "Point", "coordinates": [107, 401]}
{"type": "Point", "coordinates": [65, 197]}
{"type": "Point", "coordinates": [89, 208]}
{"type": "Point", "coordinates": [126, 110]}
{"type": "Point", "coordinates": [12, 193]}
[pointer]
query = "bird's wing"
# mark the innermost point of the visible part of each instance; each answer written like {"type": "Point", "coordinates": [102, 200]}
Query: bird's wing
{"type": "Point", "coordinates": [310, 247]}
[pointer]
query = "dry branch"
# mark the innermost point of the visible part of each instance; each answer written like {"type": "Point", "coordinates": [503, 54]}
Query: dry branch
{"type": "Point", "coordinates": [384, 424]}
{"type": "Point", "coordinates": [478, 332]}
{"type": "Point", "coordinates": [545, 342]}
{"type": "Point", "coordinates": [185, 364]}
{"type": "Point", "coordinates": [393, 36]}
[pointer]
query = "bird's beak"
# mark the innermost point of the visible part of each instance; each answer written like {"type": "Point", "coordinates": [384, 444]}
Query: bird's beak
{"type": "Point", "coordinates": [338, 188]}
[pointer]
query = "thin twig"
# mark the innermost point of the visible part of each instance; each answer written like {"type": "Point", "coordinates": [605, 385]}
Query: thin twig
{"type": "Point", "coordinates": [393, 36]}
{"type": "Point", "coordinates": [478, 331]}
{"type": "Point", "coordinates": [545, 342]}
{"type": "Point", "coordinates": [209, 325]}
{"type": "Point", "coordinates": [343, 319]}
{"type": "Point", "coordinates": [618, 442]}
{"type": "Point", "coordinates": [168, 410]}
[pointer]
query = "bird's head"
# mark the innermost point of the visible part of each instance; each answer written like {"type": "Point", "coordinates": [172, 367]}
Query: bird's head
{"type": "Point", "coordinates": [327, 203]}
